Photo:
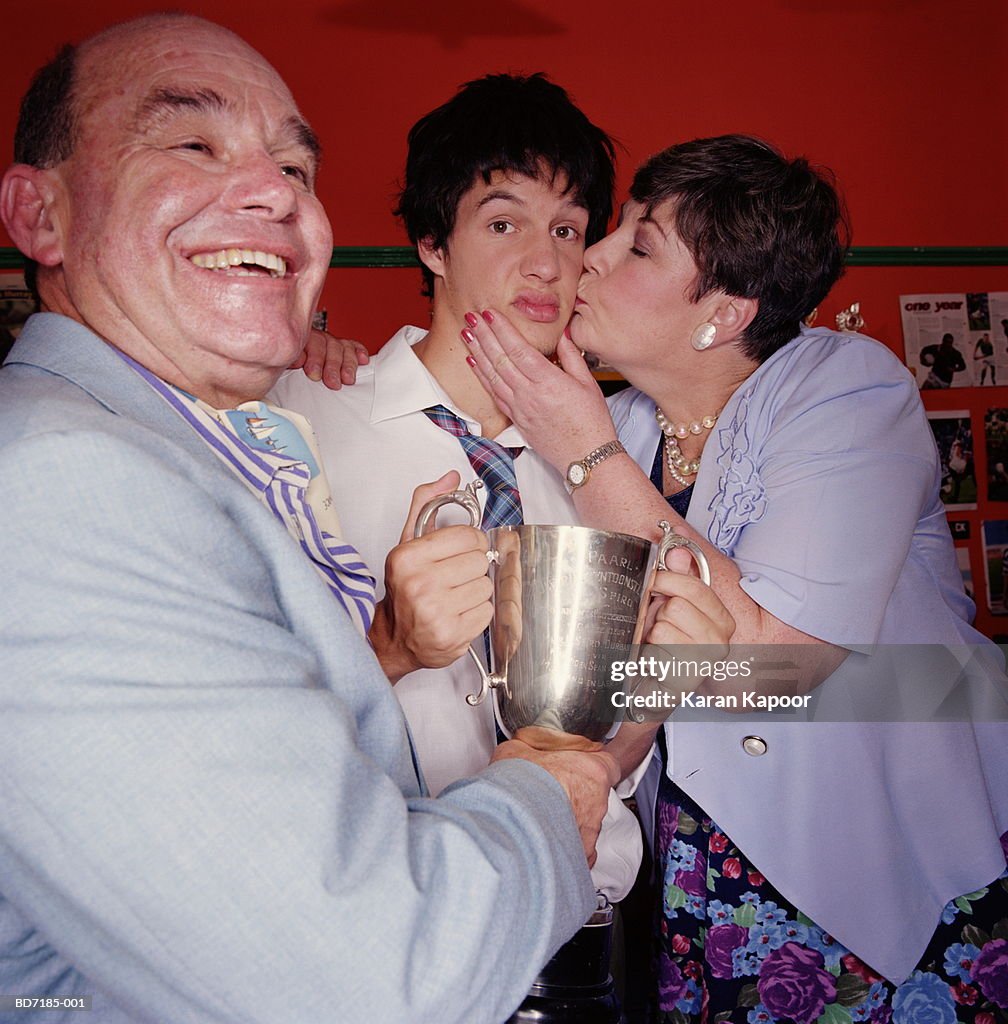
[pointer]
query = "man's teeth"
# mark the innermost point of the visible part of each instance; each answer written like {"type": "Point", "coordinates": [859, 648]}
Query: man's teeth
{"type": "Point", "coordinates": [225, 259]}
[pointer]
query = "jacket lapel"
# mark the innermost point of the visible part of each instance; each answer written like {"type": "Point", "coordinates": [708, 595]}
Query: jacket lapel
{"type": "Point", "coordinates": [67, 349]}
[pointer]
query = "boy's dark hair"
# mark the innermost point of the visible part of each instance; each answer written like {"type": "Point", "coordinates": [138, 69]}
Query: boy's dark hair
{"type": "Point", "coordinates": [46, 132]}
{"type": "Point", "coordinates": [515, 124]}
{"type": "Point", "coordinates": [757, 225]}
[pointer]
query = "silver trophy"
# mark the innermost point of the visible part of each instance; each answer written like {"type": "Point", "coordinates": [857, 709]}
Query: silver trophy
{"type": "Point", "coordinates": [568, 600]}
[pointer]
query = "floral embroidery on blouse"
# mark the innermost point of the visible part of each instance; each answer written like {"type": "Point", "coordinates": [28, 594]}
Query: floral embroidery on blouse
{"type": "Point", "coordinates": [741, 497]}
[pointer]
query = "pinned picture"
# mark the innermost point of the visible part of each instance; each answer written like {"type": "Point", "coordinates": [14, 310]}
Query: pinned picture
{"type": "Point", "coordinates": [995, 534]}
{"type": "Point", "coordinates": [996, 443]}
{"type": "Point", "coordinates": [954, 437]}
{"type": "Point", "coordinates": [963, 559]}
{"type": "Point", "coordinates": [956, 340]}
{"type": "Point", "coordinates": [16, 305]}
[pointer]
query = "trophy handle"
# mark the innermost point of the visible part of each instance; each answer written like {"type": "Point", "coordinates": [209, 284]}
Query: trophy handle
{"type": "Point", "coordinates": [426, 521]}
{"type": "Point", "coordinates": [671, 539]}
{"type": "Point", "coordinates": [466, 498]}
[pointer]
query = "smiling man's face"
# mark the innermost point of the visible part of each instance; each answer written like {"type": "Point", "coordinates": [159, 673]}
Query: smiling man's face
{"type": "Point", "coordinates": [191, 235]}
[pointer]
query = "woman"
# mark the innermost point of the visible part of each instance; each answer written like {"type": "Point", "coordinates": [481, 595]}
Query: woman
{"type": "Point", "coordinates": [801, 461]}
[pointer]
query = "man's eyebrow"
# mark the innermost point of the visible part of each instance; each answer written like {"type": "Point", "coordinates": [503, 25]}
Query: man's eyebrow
{"type": "Point", "coordinates": [511, 197]}
{"type": "Point", "coordinates": [165, 103]}
{"type": "Point", "coordinates": [500, 193]}
{"type": "Point", "coordinates": [303, 135]}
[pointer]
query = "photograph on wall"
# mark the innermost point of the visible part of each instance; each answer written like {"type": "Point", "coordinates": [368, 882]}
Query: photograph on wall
{"type": "Point", "coordinates": [955, 340]}
{"type": "Point", "coordinates": [954, 437]}
{"type": "Point", "coordinates": [998, 307]}
{"type": "Point", "coordinates": [16, 305]}
{"type": "Point", "coordinates": [996, 447]}
{"type": "Point", "coordinates": [963, 559]}
{"type": "Point", "coordinates": [995, 534]}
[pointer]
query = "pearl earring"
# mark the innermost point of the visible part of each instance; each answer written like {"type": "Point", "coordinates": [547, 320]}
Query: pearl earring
{"type": "Point", "coordinates": [703, 337]}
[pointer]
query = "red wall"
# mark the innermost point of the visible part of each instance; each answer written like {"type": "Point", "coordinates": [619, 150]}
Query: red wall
{"type": "Point", "coordinates": [905, 99]}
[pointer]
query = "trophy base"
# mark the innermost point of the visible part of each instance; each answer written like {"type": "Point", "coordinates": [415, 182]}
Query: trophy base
{"type": "Point", "coordinates": [557, 1009]}
{"type": "Point", "coordinates": [575, 987]}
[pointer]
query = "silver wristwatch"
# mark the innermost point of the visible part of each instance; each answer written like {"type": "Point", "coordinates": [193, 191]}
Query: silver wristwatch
{"type": "Point", "coordinates": [578, 472]}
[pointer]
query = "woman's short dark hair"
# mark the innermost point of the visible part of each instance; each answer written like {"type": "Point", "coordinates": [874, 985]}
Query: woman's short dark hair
{"type": "Point", "coordinates": [46, 132]}
{"type": "Point", "coordinates": [516, 124]}
{"type": "Point", "coordinates": [758, 226]}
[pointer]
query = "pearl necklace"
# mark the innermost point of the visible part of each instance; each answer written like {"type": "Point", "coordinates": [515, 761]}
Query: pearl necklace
{"type": "Point", "coordinates": [679, 466]}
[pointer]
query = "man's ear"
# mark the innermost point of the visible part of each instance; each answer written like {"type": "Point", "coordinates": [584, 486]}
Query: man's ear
{"type": "Point", "coordinates": [433, 259]}
{"type": "Point", "coordinates": [732, 316]}
{"type": "Point", "coordinates": [27, 202]}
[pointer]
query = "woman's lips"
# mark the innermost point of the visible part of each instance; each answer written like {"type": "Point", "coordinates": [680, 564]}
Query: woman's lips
{"type": "Point", "coordinates": [539, 310]}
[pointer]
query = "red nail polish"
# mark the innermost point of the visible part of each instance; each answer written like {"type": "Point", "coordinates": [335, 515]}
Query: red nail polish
{"type": "Point", "coordinates": [470, 360]}
{"type": "Point", "coordinates": [467, 336]}
{"type": "Point", "coordinates": [488, 316]}
{"type": "Point", "coordinates": [471, 319]}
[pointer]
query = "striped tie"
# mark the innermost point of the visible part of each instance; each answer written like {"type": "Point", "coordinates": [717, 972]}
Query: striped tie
{"type": "Point", "coordinates": [274, 453]}
{"type": "Point", "coordinates": [298, 494]}
{"type": "Point", "coordinates": [493, 463]}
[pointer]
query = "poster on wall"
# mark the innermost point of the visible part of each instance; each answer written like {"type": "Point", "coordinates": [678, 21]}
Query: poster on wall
{"type": "Point", "coordinates": [16, 305]}
{"type": "Point", "coordinates": [996, 447]}
{"type": "Point", "coordinates": [963, 560]}
{"type": "Point", "coordinates": [995, 534]}
{"type": "Point", "coordinates": [954, 437]}
{"type": "Point", "coordinates": [956, 340]}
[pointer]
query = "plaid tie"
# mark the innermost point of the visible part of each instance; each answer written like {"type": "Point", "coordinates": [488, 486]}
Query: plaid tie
{"type": "Point", "coordinates": [493, 463]}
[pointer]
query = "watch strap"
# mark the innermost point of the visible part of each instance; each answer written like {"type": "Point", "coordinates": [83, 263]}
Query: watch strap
{"type": "Point", "coordinates": [600, 454]}
{"type": "Point", "coordinates": [589, 462]}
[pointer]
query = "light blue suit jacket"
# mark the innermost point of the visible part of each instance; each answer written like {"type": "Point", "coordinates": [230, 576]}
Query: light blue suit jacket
{"type": "Point", "coordinates": [208, 807]}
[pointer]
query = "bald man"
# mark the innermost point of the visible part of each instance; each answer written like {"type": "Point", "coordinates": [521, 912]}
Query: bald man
{"type": "Point", "coordinates": [209, 808]}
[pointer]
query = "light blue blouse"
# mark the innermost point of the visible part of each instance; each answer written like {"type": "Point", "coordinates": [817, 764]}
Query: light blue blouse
{"type": "Point", "coordinates": [820, 480]}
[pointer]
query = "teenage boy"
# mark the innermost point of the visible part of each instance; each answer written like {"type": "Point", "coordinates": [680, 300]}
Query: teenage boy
{"type": "Point", "coordinates": [505, 185]}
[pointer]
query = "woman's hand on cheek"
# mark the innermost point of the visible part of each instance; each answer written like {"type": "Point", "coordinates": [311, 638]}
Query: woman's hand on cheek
{"type": "Point", "coordinates": [558, 408]}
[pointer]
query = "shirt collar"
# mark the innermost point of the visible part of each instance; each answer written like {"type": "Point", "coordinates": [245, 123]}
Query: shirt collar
{"type": "Point", "coordinates": [403, 386]}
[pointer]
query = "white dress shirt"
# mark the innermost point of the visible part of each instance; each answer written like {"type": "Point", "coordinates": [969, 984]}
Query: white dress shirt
{"type": "Point", "coordinates": [377, 446]}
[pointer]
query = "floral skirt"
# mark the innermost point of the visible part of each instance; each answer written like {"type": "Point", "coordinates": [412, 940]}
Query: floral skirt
{"type": "Point", "coordinates": [731, 948]}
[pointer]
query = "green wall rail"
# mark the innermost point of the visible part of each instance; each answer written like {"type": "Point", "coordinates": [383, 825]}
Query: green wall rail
{"type": "Point", "coordinates": [928, 256]}
{"type": "Point", "coordinates": [859, 256]}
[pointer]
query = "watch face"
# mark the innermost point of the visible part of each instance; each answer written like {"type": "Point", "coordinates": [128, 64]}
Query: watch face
{"type": "Point", "coordinates": [576, 474]}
